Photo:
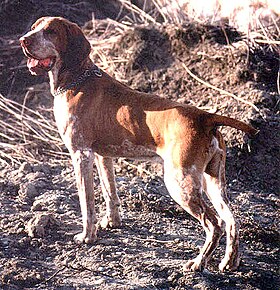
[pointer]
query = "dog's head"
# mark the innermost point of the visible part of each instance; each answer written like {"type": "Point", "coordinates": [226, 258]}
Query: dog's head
{"type": "Point", "coordinates": [54, 42]}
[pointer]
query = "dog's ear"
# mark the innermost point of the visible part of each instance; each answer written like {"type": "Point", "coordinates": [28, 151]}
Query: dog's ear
{"type": "Point", "coordinates": [77, 46]}
{"type": "Point", "coordinates": [38, 22]}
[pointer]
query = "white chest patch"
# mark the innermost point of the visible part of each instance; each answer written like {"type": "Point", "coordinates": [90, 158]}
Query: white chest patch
{"type": "Point", "coordinates": [65, 121]}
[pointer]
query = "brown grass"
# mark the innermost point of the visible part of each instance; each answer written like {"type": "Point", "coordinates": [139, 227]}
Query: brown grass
{"type": "Point", "coordinates": [24, 133]}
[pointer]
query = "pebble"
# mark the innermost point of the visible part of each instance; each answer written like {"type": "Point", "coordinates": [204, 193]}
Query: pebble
{"type": "Point", "coordinates": [37, 205]}
{"type": "Point", "coordinates": [27, 191]}
{"type": "Point", "coordinates": [99, 281]}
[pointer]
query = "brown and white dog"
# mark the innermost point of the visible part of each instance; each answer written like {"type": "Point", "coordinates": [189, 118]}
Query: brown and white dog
{"type": "Point", "coordinates": [100, 119]}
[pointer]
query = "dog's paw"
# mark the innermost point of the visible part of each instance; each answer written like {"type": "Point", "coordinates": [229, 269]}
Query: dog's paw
{"type": "Point", "coordinates": [229, 265]}
{"type": "Point", "coordinates": [194, 265]}
{"type": "Point", "coordinates": [84, 238]}
{"type": "Point", "coordinates": [107, 222]}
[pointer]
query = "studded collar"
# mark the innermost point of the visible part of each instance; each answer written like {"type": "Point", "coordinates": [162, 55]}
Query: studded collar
{"type": "Point", "coordinates": [95, 70]}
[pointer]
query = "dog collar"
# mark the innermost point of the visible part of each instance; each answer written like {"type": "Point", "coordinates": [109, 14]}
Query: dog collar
{"type": "Point", "coordinates": [95, 70]}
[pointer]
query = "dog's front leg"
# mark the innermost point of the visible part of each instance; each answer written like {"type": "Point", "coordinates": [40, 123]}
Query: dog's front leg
{"type": "Point", "coordinates": [83, 166]}
{"type": "Point", "coordinates": [107, 180]}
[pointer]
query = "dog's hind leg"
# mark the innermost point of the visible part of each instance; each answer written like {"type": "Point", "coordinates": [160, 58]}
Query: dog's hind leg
{"type": "Point", "coordinates": [107, 179]}
{"type": "Point", "coordinates": [185, 187]}
{"type": "Point", "coordinates": [215, 188]}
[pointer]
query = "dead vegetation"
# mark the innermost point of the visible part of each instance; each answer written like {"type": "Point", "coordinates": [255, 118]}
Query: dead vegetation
{"type": "Point", "coordinates": [21, 128]}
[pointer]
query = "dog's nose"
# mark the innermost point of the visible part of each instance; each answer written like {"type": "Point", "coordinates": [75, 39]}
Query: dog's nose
{"type": "Point", "coordinates": [25, 41]}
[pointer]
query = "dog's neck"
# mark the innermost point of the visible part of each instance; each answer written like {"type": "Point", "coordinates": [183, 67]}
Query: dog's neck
{"type": "Point", "coordinates": [60, 75]}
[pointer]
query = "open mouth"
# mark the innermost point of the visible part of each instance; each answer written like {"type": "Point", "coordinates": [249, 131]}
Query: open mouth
{"type": "Point", "coordinates": [39, 66]}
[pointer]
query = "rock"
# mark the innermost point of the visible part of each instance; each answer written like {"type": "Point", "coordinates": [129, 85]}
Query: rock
{"type": "Point", "coordinates": [38, 205]}
{"type": "Point", "coordinates": [42, 168]}
{"type": "Point", "coordinates": [27, 192]}
{"type": "Point", "coordinates": [36, 227]}
{"type": "Point", "coordinates": [99, 281]}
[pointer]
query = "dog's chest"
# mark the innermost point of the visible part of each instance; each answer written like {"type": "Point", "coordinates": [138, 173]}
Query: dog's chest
{"type": "Point", "coordinates": [66, 121]}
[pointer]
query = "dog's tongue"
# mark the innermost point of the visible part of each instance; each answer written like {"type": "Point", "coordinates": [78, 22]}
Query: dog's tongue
{"type": "Point", "coordinates": [38, 66]}
{"type": "Point", "coordinates": [32, 62]}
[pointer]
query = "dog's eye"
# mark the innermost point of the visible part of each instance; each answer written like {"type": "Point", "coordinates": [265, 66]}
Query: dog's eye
{"type": "Point", "coordinates": [49, 31]}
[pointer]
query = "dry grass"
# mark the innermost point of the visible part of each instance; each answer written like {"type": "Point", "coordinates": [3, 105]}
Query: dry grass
{"type": "Point", "coordinates": [26, 134]}
{"type": "Point", "coordinates": [173, 13]}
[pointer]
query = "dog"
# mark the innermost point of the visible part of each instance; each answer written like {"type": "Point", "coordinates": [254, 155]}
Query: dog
{"type": "Point", "coordinates": [100, 119]}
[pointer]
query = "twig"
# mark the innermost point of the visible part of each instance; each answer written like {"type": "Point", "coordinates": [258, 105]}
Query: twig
{"type": "Point", "coordinates": [53, 275]}
{"type": "Point", "coordinates": [8, 156]}
{"type": "Point", "coordinates": [264, 30]}
{"type": "Point", "coordinates": [7, 137]}
{"type": "Point", "coordinates": [153, 240]}
{"type": "Point", "coordinates": [160, 10]}
{"type": "Point", "coordinates": [83, 268]}
{"type": "Point", "coordinates": [267, 41]}
{"type": "Point", "coordinates": [46, 280]}
{"type": "Point", "coordinates": [217, 89]}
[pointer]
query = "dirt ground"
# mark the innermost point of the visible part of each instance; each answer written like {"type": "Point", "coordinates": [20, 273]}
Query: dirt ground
{"type": "Point", "coordinates": [40, 212]}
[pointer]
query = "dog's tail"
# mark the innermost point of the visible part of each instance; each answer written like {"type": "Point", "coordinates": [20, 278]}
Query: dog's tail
{"type": "Point", "coordinates": [214, 120]}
